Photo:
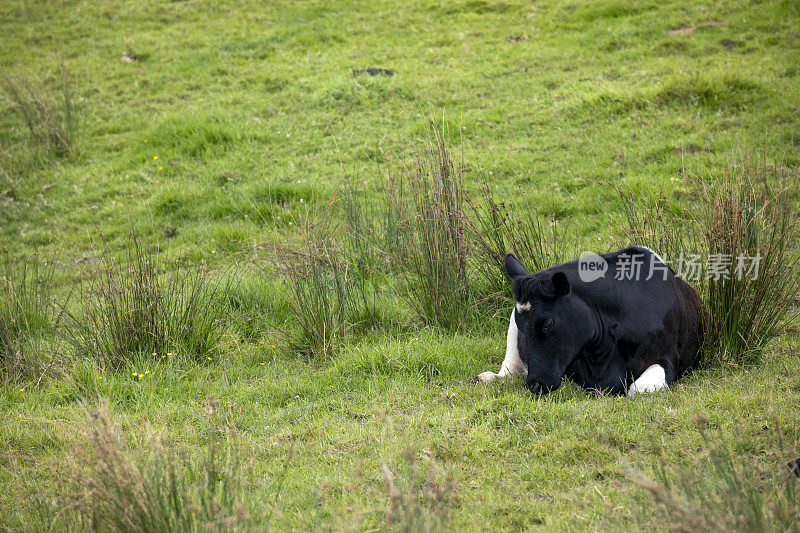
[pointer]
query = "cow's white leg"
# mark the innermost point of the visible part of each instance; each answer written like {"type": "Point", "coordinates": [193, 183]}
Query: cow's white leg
{"type": "Point", "coordinates": [512, 364]}
{"type": "Point", "coordinates": [651, 380]}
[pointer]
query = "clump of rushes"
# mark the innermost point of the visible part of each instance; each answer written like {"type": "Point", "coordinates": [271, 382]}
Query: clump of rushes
{"type": "Point", "coordinates": [432, 252]}
{"type": "Point", "coordinates": [52, 116]}
{"type": "Point", "coordinates": [324, 291]}
{"type": "Point", "coordinates": [738, 221]}
{"type": "Point", "coordinates": [129, 310]}
{"type": "Point", "coordinates": [362, 235]}
{"type": "Point", "coordinates": [26, 313]}
{"type": "Point", "coordinates": [498, 229]}
{"type": "Point", "coordinates": [745, 219]}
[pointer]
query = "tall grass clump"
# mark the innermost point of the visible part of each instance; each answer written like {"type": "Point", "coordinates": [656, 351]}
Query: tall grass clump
{"type": "Point", "coordinates": [52, 113]}
{"type": "Point", "coordinates": [430, 216]}
{"type": "Point", "coordinates": [105, 487]}
{"type": "Point", "coordinates": [725, 491]}
{"type": "Point", "coordinates": [743, 221]}
{"type": "Point", "coordinates": [498, 229]}
{"type": "Point", "coordinates": [363, 217]}
{"type": "Point", "coordinates": [26, 312]}
{"type": "Point", "coordinates": [743, 231]}
{"type": "Point", "coordinates": [129, 309]}
{"type": "Point", "coordinates": [325, 291]}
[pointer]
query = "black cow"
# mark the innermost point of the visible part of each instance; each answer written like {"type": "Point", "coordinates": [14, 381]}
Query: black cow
{"type": "Point", "coordinates": [615, 323]}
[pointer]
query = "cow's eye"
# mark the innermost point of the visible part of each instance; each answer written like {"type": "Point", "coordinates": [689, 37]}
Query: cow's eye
{"type": "Point", "coordinates": [547, 325]}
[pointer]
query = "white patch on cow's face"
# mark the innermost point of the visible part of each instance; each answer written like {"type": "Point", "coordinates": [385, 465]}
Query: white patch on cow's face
{"type": "Point", "coordinates": [651, 380]}
{"type": "Point", "coordinates": [522, 307]}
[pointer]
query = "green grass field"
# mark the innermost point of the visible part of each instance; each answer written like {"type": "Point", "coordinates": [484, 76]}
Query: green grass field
{"type": "Point", "coordinates": [218, 129]}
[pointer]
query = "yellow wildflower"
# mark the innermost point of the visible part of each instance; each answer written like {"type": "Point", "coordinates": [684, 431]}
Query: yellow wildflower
{"type": "Point", "coordinates": [22, 389]}
{"type": "Point", "coordinates": [160, 168]}
{"type": "Point", "coordinates": [146, 371]}
{"type": "Point", "coordinates": [155, 158]}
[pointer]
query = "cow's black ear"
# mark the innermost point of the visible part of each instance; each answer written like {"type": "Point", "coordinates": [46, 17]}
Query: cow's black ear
{"type": "Point", "coordinates": [514, 267]}
{"type": "Point", "coordinates": [560, 284]}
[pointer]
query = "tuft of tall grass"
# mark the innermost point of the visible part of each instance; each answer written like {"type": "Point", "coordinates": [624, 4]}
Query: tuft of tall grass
{"type": "Point", "coordinates": [430, 224]}
{"type": "Point", "coordinates": [364, 230]}
{"type": "Point", "coordinates": [748, 308]}
{"type": "Point", "coordinates": [325, 291]}
{"type": "Point", "coordinates": [726, 491]}
{"type": "Point", "coordinates": [748, 230]}
{"type": "Point", "coordinates": [26, 312]}
{"type": "Point", "coordinates": [53, 116]}
{"type": "Point", "coordinates": [129, 309]}
{"type": "Point", "coordinates": [497, 229]}
{"type": "Point", "coordinates": [106, 488]}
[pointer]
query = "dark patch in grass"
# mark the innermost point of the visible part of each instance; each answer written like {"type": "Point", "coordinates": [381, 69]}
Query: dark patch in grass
{"type": "Point", "coordinates": [693, 149]}
{"type": "Point", "coordinates": [729, 44]}
{"type": "Point", "coordinates": [373, 72]}
{"type": "Point", "coordinates": [478, 7]}
{"type": "Point", "coordinates": [672, 47]}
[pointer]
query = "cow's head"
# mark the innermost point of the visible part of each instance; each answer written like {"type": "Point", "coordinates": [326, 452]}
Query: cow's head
{"type": "Point", "coordinates": [554, 324]}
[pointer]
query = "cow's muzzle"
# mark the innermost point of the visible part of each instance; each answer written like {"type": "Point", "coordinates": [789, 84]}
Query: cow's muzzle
{"type": "Point", "coordinates": [537, 387]}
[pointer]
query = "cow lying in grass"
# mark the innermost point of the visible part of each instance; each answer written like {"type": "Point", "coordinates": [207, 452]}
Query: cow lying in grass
{"type": "Point", "coordinates": [617, 333]}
